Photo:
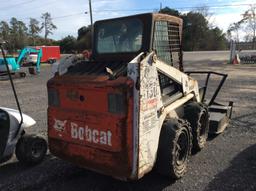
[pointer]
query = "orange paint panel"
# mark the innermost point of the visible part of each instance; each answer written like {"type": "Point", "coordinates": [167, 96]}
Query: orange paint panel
{"type": "Point", "coordinates": [85, 133]}
{"type": "Point", "coordinates": [103, 132]}
{"type": "Point", "coordinates": [112, 164]}
{"type": "Point", "coordinates": [84, 99]}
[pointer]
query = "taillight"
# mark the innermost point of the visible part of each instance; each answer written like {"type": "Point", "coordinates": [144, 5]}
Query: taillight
{"type": "Point", "coordinates": [53, 98]}
{"type": "Point", "coordinates": [116, 103]}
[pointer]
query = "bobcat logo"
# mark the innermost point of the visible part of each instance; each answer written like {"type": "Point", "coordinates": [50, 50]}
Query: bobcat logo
{"type": "Point", "coordinates": [59, 125]}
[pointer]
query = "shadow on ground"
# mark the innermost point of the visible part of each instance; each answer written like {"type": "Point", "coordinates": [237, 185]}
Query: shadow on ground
{"type": "Point", "coordinates": [55, 174]}
{"type": "Point", "coordinates": [241, 175]}
{"type": "Point", "coordinates": [14, 168]}
{"type": "Point", "coordinates": [247, 120]}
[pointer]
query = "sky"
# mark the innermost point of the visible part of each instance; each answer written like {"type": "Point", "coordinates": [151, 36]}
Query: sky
{"type": "Point", "coordinates": [70, 15]}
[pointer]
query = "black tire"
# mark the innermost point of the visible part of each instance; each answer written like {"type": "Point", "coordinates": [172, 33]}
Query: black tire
{"type": "Point", "coordinates": [174, 148]}
{"type": "Point", "coordinates": [32, 71]}
{"type": "Point", "coordinates": [198, 117]}
{"type": "Point", "coordinates": [22, 74]}
{"type": "Point", "coordinates": [31, 149]}
{"type": "Point", "coordinates": [51, 61]}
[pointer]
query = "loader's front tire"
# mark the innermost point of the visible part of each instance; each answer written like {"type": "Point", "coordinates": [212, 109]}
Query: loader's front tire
{"type": "Point", "coordinates": [198, 117]}
{"type": "Point", "coordinates": [31, 149]}
{"type": "Point", "coordinates": [174, 148]}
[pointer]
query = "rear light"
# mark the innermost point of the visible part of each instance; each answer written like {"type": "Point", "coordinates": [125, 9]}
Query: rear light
{"type": "Point", "coordinates": [53, 98]}
{"type": "Point", "coordinates": [116, 103]}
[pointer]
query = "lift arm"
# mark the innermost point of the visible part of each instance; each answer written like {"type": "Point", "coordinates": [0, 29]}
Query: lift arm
{"type": "Point", "coordinates": [189, 85]}
{"type": "Point", "coordinates": [22, 55]}
{"type": "Point", "coordinates": [39, 56]}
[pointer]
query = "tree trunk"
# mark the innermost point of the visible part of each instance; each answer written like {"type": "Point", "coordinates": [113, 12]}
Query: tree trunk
{"type": "Point", "coordinates": [45, 29]}
{"type": "Point", "coordinates": [254, 40]}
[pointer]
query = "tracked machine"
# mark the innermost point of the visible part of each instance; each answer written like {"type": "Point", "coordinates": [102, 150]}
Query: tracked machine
{"type": "Point", "coordinates": [132, 107]}
{"type": "Point", "coordinates": [28, 57]}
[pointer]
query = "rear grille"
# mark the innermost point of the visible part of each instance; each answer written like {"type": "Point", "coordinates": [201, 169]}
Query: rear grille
{"type": "Point", "coordinates": [116, 103]}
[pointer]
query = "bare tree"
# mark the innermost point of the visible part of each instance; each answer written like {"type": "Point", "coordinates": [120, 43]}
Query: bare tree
{"type": "Point", "coordinates": [235, 28]}
{"type": "Point", "coordinates": [47, 24]}
{"type": "Point", "coordinates": [249, 19]}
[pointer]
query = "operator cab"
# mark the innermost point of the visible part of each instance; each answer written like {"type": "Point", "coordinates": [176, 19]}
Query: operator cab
{"type": "Point", "coordinates": [124, 38]}
{"type": "Point", "coordinates": [117, 41]}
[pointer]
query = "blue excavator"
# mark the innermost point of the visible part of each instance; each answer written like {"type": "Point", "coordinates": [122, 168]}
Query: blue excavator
{"type": "Point", "coordinates": [28, 57]}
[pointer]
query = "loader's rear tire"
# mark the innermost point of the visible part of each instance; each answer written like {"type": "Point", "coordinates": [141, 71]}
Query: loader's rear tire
{"type": "Point", "coordinates": [198, 117]}
{"type": "Point", "coordinates": [31, 149]}
{"type": "Point", "coordinates": [174, 148]}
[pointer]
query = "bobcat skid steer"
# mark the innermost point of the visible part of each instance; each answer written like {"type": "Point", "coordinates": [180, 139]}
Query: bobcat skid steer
{"type": "Point", "coordinates": [131, 107]}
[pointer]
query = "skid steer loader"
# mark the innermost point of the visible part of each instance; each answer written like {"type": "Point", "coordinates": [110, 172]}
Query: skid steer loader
{"type": "Point", "coordinates": [132, 107]}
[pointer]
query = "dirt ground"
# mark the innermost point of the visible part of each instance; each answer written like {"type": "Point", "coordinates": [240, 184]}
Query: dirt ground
{"type": "Point", "coordinates": [227, 163]}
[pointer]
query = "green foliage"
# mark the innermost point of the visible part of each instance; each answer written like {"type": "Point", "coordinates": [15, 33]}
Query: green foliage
{"type": "Point", "coordinates": [195, 30]}
{"type": "Point", "coordinates": [34, 29]}
{"type": "Point", "coordinates": [84, 39]}
{"type": "Point", "coordinates": [18, 35]}
{"type": "Point", "coordinates": [216, 39]}
{"type": "Point", "coordinates": [47, 24]}
{"type": "Point", "coordinates": [70, 44]}
{"type": "Point", "coordinates": [197, 34]}
{"type": "Point", "coordinates": [4, 31]}
{"type": "Point", "coordinates": [67, 44]}
{"type": "Point", "coordinates": [170, 11]}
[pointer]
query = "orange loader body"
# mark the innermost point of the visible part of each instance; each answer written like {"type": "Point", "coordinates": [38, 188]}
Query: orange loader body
{"type": "Point", "coordinates": [83, 127]}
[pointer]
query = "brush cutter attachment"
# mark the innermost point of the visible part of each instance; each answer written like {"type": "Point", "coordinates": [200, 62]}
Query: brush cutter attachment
{"type": "Point", "coordinates": [220, 115]}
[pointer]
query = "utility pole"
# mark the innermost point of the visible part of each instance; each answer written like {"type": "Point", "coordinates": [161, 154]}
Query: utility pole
{"type": "Point", "coordinates": [160, 6]}
{"type": "Point", "coordinates": [90, 7]}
